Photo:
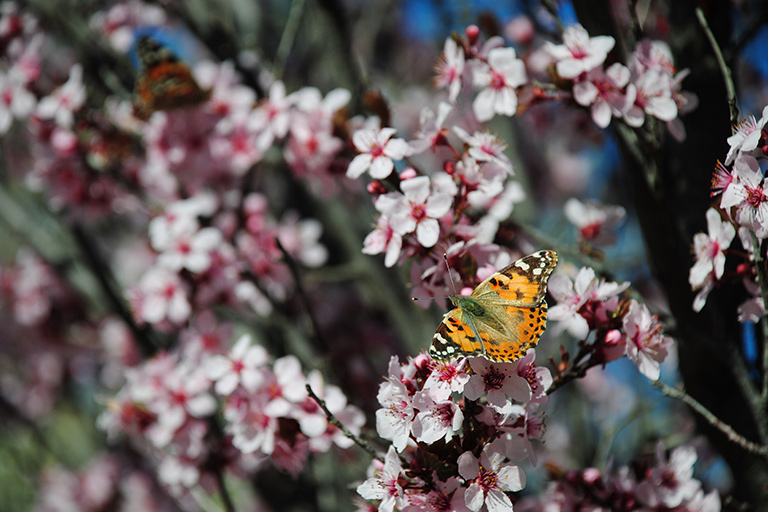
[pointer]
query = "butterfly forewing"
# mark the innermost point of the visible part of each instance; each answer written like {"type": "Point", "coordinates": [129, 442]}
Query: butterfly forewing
{"type": "Point", "coordinates": [523, 282]}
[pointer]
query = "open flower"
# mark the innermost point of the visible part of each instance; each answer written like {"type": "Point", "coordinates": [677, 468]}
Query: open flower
{"type": "Point", "coordinates": [490, 479]}
{"type": "Point", "coordinates": [499, 78]}
{"type": "Point", "coordinates": [377, 151]}
{"type": "Point", "coordinates": [579, 53]}
{"type": "Point", "coordinates": [646, 345]}
{"type": "Point", "coordinates": [384, 485]}
{"type": "Point", "coordinates": [710, 256]}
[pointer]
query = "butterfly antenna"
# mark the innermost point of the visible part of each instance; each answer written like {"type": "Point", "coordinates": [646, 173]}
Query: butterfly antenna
{"type": "Point", "coordinates": [450, 274]}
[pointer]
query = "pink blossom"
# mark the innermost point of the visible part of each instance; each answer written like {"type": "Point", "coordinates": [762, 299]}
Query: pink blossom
{"type": "Point", "coordinates": [498, 381]}
{"type": "Point", "coordinates": [539, 378]}
{"type": "Point", "coordinates": [418, 210]}
{"type": "Point", "coordinates": [445, 496]}
{"type": "Point", "coordinates": [384, 238]}
{"type": "Point", "coordinates": [647, 346]}
{"type": "Point", "coordinates": [489, 479]}
{"type": "Point", "coordinates": [721, 179]}
{"type": "Point", "coordinates": [431, 131]}
{"type": "Point", "coordinates": [446, 378]}
{"type": "Point", "coordinates": [435, 420]}
{"type": "Point", "coordinates": [160, 295]}
{"type": "Point", "coordinates": [596, 222]}
{"type": "Point", "coordinates": [251, 427]}
{"type": "Point", "coordinates": [385, 485]}
{"type": "Point", "coordinates": [579, 53]}
{"type": "Point", "coordinates": [393, 420]}
{"type": "Point", "coordinates": [581, 301]}
{"type": "Point", "coordinates": [499, 78]}
{"type": "Point", "coordinates": [377, 151]}
{"type": "Point", "coordinates": [179, 394]}
{"type": "Point", "coordinates": [651, 94]}
{"type": "Point", "coordinates": [242, 366]}
{"type": "Point", "coordinates": [709, 249]}
{"type": "Point", "coordinates": [746, 198]}
{"type": "Point", "coordinates": [484, 147]}
{"type": "Point", "coordinates": [746, 136]}
{"type": "Point", "coordinates": [16, 102]}
{"type": "Point", "coordinates": [602, 92]}
{"type": "Point", "coordinates": [64, 101]}
{"type": "Point", "coordinates": [272, 117]}
{"type": "Point", "coordinates": [671, 482]}
{"type": "Point", "coordinates": [450, 68]}
{"type": "Point", "coordinates": [301, 238]}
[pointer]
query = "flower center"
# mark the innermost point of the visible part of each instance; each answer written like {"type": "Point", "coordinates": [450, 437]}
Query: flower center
{"type": "Point", "coordinates": [755, 196]}
{"type": "Point", "coordinates": [494, 379]}
{"type": "Point", "coordinates": [488, 479]}
{"type": "Point", "coordinates": [497, 80]}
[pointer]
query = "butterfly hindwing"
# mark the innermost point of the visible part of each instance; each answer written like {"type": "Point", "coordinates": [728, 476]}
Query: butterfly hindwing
{"type": "Point", "coordinates": [503, 318]}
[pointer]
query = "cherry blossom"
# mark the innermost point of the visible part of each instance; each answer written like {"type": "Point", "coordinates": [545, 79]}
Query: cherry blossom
{"type": "Point", "coordinates": [385, 485]}
{"type": "Point", "coordinates": [450, 68]}
{"type": "Point", "coordinates": [436, 419]}
{"type": "Point", "coordinates": [647, 346]}
{"type": "Point", "coordinates": [745, 197]}
{"type": "Point", "coordinates": [418, 210]}
{"type": "Point", "coordinates": [384, 238]}
{"type": "Point", "coordinates": [652, 93]}
{"type": "Point", "coordinates": [596, 222]}
{"type": "Point", "coordinates": [602, 91]}
{"type": "Point", "coordinates": [243, 366]}
{"type": "Point", "coordinates": [579, 53]}
{"type": "Point", "coordinates": [64, 101]}
{"type": "Point", "coordinates": [709, 249]}
{"type": "Point", "coordinates": [377, 151]}
{"type": "Point", "coordinates": [498, 381]}
{"type": "Point", "coordinates": [498, 80]}
{"type": "Point", "coordinates": [571, 296]}
{"type": "Point", "coordinates": [671, 482]}
{"type": "Point", "coordinates": [16, 102]}
{"type": "Point", "coordinates": [393, 420]}
{"type": "Point", "coordinates": [490, 478]}
{"type": "Point", "coordinates": [747, 136]}
{"type": "Point", "coordinates": [484, 147]}
{"type": "Point", "coordinates": [160, 295]}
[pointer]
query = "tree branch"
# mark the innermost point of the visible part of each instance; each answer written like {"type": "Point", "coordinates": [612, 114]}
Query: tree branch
{"type": "Point", "coordinates": [336, 423]}
{"type": "Point", "coordinates": [713, 420]}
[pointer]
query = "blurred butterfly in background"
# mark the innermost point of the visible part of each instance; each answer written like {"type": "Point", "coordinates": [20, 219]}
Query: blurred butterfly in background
{"type": "Point", "coordinates": [503, 317]}
{"type": "Point", "coordinates": [164, 82]}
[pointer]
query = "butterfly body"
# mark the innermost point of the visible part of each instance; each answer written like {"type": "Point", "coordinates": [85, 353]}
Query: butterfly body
{"type": "Point", "coordinates": [502, 318]}
{"type": "Point", "coordinates": [164, 82]}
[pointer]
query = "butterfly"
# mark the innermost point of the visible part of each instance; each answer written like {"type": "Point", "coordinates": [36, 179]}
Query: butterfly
{"type": "Point", "coordinates": [164, 82]}
{"type": "Point", "coordinates": [502, 318]}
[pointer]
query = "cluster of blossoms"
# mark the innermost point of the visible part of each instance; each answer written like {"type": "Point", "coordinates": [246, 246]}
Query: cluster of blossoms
{"type": "Point", "coordinates": [455, 429]}
{"type": "Point", "coordinates": [647, 86]}
{"type": "Point", "coordinates": [587, 304]}
{"type": "Point", "coordinates": [743, 210]}
{"type": "Point", "coordinates": [661, 484]}
{"type": "Point", "coordinates": [170, 401]}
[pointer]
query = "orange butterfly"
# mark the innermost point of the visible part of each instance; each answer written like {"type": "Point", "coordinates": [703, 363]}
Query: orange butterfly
{"type": "Point", "coordinates": [502, 318]}
{"type": "Point", "coordinates": [164, 82]}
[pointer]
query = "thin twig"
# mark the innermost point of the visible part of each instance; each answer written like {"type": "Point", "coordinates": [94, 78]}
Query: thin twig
{"type": "Point", "coordinates": [103, 275]}
{"type": "Point", "coordinates": [574, 370]}
{"type": "Point", "coordinates": [550, 6]}
{"type": "Point", "coordinates": [335, 422]}
{"type": "Point", "coordinates": [724, 69]}
{"type": "Point", "coordinates": [288, 37]}
{"type": "Point", "coordinates": [713, 420]}
{"type": "Point", "coordinates": [304, 297]}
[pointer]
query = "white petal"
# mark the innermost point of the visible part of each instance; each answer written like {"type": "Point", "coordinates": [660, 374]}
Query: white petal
{"type": "Point", "coordinates": [428, 232]}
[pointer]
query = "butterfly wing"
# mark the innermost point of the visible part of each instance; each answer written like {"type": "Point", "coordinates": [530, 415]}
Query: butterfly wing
{"type": "Point", "coordinates": [164, 82]}
{"type": "Point", "coordinates": [522, 283]}
{"type": "Point", "coordinates": [503, 318]}
{"type": "Point", "coordinates": [455, 338]}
